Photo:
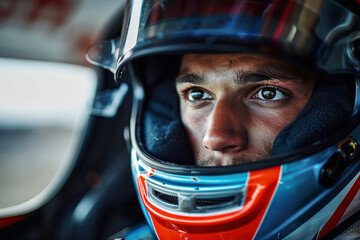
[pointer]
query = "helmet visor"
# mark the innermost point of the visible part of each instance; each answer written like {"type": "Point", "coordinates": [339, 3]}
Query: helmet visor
{"type": "Point", "coordinates": [323, 34]}
{"type": "Point", "coordinates": [316, 31]}
{"type": "Point", "coordinates": [249, 109]}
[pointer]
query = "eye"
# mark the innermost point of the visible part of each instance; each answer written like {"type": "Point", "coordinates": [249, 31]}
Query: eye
{"type": "Point", "coordinates": [194, 95]}
{"type": "Point", "coordinates": [270, 93]}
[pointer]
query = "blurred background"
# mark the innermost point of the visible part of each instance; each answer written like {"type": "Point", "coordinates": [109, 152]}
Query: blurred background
{"type": "Point", "coordinates": [46, 88]}
{"type": "Point", "coordinates": [56, 158]}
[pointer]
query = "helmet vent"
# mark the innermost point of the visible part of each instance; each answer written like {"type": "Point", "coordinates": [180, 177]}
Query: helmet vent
{"type": "Point", "coordinates": [214, 201]}
{"type": "Point", "coordinates": [194, 201]}
{"type": "Point", "coordinates": [169, 199]}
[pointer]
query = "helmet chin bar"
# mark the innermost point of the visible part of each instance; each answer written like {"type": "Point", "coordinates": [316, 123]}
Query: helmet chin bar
{"type": "Point", "coordinates": [234, 202]}
{"type": "Point", "coordinates": [204, 204]}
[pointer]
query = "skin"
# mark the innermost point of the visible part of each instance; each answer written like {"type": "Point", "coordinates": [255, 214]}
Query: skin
{"type": "Point", "coordinates": [234, 105]}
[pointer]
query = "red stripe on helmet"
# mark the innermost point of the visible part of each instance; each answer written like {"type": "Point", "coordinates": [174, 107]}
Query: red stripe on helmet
{"type": "Point", "coordinates": [4, 222]}
{"type": "Point", "coordinates": [238, 224]}
{"type": "Point", "coordinates": [283, 20]}
{"type": "Point", "coordinates": [339, 212]}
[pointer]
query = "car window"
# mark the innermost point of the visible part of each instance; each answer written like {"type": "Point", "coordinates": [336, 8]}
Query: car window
{"type": "Point", "coordinates": [44, 110]}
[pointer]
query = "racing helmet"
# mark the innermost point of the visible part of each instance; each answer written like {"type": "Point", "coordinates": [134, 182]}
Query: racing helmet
{"type": "Point", "coordinates": [310, 185]}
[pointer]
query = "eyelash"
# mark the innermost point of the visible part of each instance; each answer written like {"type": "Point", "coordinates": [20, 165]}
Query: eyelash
{"type": "Point", "coordinates": [184, 93]}
{"type": "Point", "coordinates": [285, 92]}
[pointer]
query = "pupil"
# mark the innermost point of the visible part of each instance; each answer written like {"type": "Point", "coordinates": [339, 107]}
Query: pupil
{"type": "Point", "coordinates": [268, 93]}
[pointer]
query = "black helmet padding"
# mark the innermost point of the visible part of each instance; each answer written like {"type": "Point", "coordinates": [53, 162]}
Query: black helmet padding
{"type": "Point", "coordinates": [162, 132]}
{"type": "Point", "coordinates": [328, 110]}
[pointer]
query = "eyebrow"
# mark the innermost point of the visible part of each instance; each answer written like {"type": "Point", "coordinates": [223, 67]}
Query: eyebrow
{"type": "Point", "coordinates": [193, 78]}
{"type": "Point", "coordinates": [243, 77]}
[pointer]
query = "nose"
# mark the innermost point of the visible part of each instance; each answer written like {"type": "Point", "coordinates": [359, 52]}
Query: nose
{"type": "Point", "coordinates": [226, 129]}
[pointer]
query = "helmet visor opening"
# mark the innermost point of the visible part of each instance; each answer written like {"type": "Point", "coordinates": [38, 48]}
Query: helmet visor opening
{"type": "Point", "coordinates": [164, 133]}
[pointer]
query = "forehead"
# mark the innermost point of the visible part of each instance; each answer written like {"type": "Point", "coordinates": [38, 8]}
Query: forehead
{"type": "Point", "coordinates": [222, 62]}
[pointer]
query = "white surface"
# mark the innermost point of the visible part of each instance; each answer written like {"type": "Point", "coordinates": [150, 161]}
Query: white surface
{"type": "Point", "coordinates": [44, 108]}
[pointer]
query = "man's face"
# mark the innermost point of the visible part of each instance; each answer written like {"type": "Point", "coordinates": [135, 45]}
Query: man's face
{"type": "Point", "coordinates": [234, 105]}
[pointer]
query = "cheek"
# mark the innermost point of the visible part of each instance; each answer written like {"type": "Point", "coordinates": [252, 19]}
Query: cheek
{"type": "Point", "coordinates": [268, 124]}
{"type": "Point", "coordinates": [194, 122]}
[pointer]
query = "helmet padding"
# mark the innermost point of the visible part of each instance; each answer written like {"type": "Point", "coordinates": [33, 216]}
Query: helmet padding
{"type": "Point", "coordinates": [328, 110]}
{"type": "Point", "coordinates": [163, 131]}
